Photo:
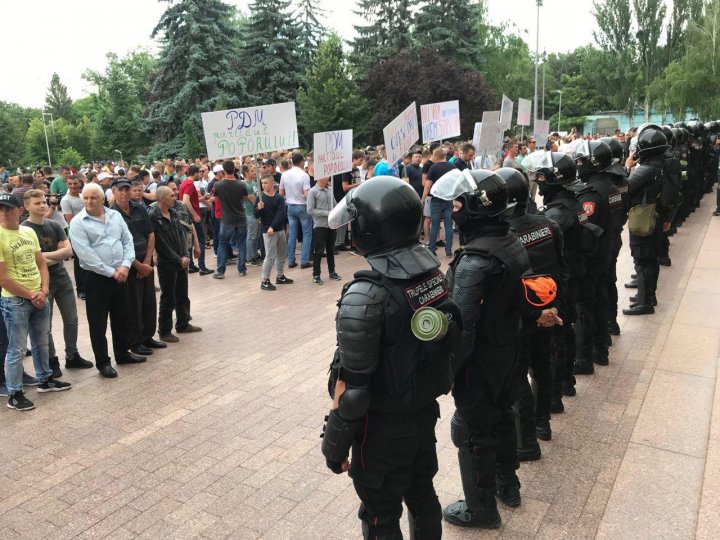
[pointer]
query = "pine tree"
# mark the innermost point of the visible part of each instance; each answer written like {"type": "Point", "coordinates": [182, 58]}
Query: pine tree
{"type": "Point", "coordinates": [312, 31]}
{"type": "Point", "coordinates": [385, 32]}
{"type": "Point", "coordinates": [196, 72]}
{"type": "Point", "coordinates": [332, 100]}
{"type": "Point", "coordinates": [57, 101]}
{"type": "Point", "coordinates": [274, 67]}
{"type": "Point", "coordinates": [449, 28]}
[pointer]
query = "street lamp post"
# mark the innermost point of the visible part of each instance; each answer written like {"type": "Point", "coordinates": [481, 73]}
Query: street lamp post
{"type": "Point", "coordinates": [47, 144]}
{"type": "Point", "coordinates": [537, 60]}
{"type": "Point", "coordinates": [559, 109]}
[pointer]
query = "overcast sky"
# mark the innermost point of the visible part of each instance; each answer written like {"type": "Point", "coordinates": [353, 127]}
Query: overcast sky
{"type": "Point", "coordinates": [44, 36]}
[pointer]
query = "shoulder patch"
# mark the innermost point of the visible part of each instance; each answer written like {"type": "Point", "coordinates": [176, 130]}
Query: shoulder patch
{"type": "Point", "coordinates": [589, 208]}
{"type": "Point", "coordinates": [426, 292]}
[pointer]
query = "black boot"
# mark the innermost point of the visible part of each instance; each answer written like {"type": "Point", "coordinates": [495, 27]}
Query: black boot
{"type": "Point", "coordinates": [528, 447]}
{"type": "Point", "coordinates": [613, 328]}
{"type": "Point", "coordinates": [371, 532]}
{"type": "Point", "coordinates": [425, 527]}
{"type": "Point", "coordinates": [600, 356]}
{"type": "Point", "coordinates": [542, 429]}
{"type": "Point", "coordinates": [664, 261]}
{"type": "Point", "coordinates": [643, 300]}
{"type": "Point", "coordinates": [583, 335]}
{"type": "Point", "coordinates": [508, 489]}
{"type": "Point", "coordinates": [55, 367]}
{"type": "Point", "coordinates": [632, 284]}
{"type": "Point", "coordinates": [484, 514]}
{"type": "Point", "coordinates": [568, 388]}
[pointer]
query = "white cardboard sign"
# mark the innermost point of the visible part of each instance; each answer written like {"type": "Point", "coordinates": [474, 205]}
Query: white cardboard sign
{"type": "Point", "coordinates": [252, 130]}
{"type": "Point", "coordinates": [401, 134]}
{"type": "Point", "coordinates": [476, 135]}
{"type": "Point", "coordinates": [542, 130]}
{"type": "Point", "coordinates": [506, 112]}
{"type": "Point", "coordinates": [332, 152]}
{"type": "Point", "coordinates": [440, 121]}
{"type": "Point", "coordinates": [524, 111]}
{"type": "Point", "coordinates": [489, 133]}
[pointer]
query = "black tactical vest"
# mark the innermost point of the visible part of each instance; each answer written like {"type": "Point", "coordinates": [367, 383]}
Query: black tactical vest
{"type": "Point", "coordinates": [538, 236]}
{"type": "Point", "coordinates": [411, 373]}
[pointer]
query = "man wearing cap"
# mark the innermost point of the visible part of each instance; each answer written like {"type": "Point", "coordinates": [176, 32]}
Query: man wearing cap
{"type": "Point", "coordinates": [271, 168]}
{"type": "Point", "coordinates": [141, 283]}
{"type": "Point", "coordinates": [105, 247]}
{"type": "Point", "coordinates": [25, 285]}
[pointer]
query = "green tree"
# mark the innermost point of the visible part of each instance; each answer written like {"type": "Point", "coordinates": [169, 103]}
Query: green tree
{"type": "Point", "coordinates": [57, 100]}
{"type": "Point", "coordinates": [331, 100]}
{"type": "Point", "coordinates": [274, 68]}
{"type": "Point", "coordinates": [70, 156]}
{"type": "Point", "coordinates": [385, 30]}
{"type": "Point", "coordinates": [197, 70]}
{"type": "Point", "coordinates": [57, 139]}
{"type": "Point", "coordinates": [449, 28]}
{"type": "Point", "coordinates": [14, 122]}
{"type": "Point", "coordinates": [312, 31]}
{"type": "Point", "coordinates": [119, 104]}
{"type": "Point", "coordinates": [86, 106]}
{"type": "Point", "coordinates": [650, 15]}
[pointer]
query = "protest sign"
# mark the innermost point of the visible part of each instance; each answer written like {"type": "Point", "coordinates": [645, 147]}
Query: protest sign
{"type": "Point", "coordinates": [252, 130]}
{"type": "Point", "coordinates": [476, 135]}
{"type": "Point", "coordinates": [524, 110]}
{"type": "Point", "coordinates": [332, 151]}
{"type": "Point", "coordinates": [506, 112]}
{"type": "Point", "coordinates": [489, 133]}
{"type": "Point", "coordinates": [542, 130]}
{"type": "Point", "coordinates": [440, 121]}
{"type": "Point", "coordinates": [401, 134]}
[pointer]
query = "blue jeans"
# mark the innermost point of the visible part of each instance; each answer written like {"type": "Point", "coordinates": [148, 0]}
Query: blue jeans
{"type": "Point", "coordinates": [21, 319]}
{"type": "Point", "coordinates": [441, 209]}
{"type": "Point", "coordinates": [201, 240]}
{"type": "Point", "coordinates": [298, 217]}
{"type": "Point", "coordinates": [235, 233]}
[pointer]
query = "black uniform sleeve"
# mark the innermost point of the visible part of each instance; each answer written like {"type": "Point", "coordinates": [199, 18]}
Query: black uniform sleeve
{"type": "Point", "coordinates": [468, 280]}
{"type": "Point", "coordinates": [360, 321]}
{"type": "Point", "coordinates": [559, 247]}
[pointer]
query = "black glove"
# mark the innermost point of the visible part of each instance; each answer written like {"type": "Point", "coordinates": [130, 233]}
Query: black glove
{"type": "Point", "coordinates": [334, 466]}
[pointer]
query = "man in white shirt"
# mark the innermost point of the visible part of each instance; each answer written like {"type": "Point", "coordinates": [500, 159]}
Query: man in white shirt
{"type": "Point", "coordinates": [294, 186]}
{"type": "Point", "coordinates": [71, 205]}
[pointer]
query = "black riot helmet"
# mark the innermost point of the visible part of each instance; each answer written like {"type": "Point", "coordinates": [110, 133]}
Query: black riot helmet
{"type": "Point", "coordinates": [592, 157]}
{"type": "Point", "coordinates": [517, 188]}
{"type": "Point", "coordinates": [556, 168]}
{"type": "Point", "coordinates": [712, 127]}
{"type": "Point", "coordinates": [685, 135]}
{"type": "Point", "coordinates": [678, 135]}
{"type": "Point", "coordinates": [615, 147]}
{"type": "Point", "coordinates": [386, 214]}
{"type": "Point", "coordinates": [646, 125]}
{"type": "Point", "coordinates": [652, 142]}
{"type": "Point", "coordinates": [680, 125]}
{"type": "Point", "coordinates": [482, 193]}
{"type": "Point", "coordinates": [694, 128]}
{"type": "Point", "coordinates": [669, 135]}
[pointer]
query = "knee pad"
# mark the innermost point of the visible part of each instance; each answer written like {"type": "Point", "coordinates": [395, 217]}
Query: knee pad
{"type": "Point", "coordinates": [459, 431]}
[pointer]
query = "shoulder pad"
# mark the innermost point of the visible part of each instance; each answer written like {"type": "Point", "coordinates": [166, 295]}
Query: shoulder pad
{"type": "Point", "coordinates": [471, 269]}
{"type": "Point", "coordinates": [563, 217]}
{"type": "Point", "coordinates": [363, 292]}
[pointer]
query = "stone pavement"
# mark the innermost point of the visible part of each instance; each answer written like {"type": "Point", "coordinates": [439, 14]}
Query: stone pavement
{"type": "Point", "coordinates": [218, 436]}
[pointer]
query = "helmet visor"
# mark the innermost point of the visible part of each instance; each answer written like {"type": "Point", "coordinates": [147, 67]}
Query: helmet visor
{"type": "Point", "coordinates": [342, 214]}
{"type": "Point", "coordinates": [536, 161]}
{"type": "Point", "coordinates": [452, 184]}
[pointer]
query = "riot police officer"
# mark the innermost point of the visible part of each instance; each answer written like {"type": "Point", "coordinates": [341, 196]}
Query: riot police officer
{"type": "Point", "coordinates": [543, 241]}
{"type": "Point", "coordinates": [385, 380]}
{"type": "Point", "coordinates": [618, 176]}
{"type": "Point", "coordinates": [485, 280]}
{"type": "Point", "coordinates": [646, 182]}
{"type": "Point", "coordinates": [697, 158]}
{"type": "Point", "coordinates": [602, 203]}
{"type": "Point", "coordinates": [669, 196]}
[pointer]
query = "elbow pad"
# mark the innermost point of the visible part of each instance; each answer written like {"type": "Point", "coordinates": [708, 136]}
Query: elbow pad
{"type": "Point", "coordinates": [354, 403]}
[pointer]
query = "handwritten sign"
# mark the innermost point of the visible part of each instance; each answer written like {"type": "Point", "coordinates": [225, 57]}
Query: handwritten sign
{"type": "Point", "coordinates": [252, 130]}
{"type": "Point", "coordinates": [401, 134]}
{"type": "Point", "coordinates": [333, 152]}
{"type": "Point", "coordinates": [489, 133]}
{"type": "Point", "coordinates": [506, 112]}
{"type": "Point", "coordinates": [524, 110]}
{"type": "Point", "coordinates": [542, 130]}
{"type": "Point", "coordinates": [440, 121]}
{"type": "Point", "coordinates": [476, 135]}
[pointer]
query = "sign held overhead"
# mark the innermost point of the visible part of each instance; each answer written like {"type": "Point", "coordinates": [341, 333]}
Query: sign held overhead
{"type": "Point", "coordinates": [440, 121]}
{"type": "Point", "coordinates": [332, 151]}
{"type": "Point", "coordinates": [401, 134]}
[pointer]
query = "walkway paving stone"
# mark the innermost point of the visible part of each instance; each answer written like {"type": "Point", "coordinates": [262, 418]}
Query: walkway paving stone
{"type": "Point", "coordinates": [218, 436]}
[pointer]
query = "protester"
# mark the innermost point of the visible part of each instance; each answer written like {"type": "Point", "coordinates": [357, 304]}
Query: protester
{"type": "Point", "coordinates": [105, 248]}
{"type": "Point", "coordinates": [270, 209]}
{"type": "Point", "coordinates": [294, 186]}
{"type": "Point", "coordinates": [231, 193]}
{"type": "Point", "coordinates": [320, 202]}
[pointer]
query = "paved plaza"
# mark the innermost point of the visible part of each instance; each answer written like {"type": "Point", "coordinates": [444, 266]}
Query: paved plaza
{"type": "Point", "coordinates": [218, 436]}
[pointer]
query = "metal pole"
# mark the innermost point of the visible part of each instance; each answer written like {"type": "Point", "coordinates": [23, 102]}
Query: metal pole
{"type": "Point", "coordinates": [537, 59]}
{"type": "Point", "coordinates": [47, 144]}
{"type": "Point", "coordinates": [543, 90]}
{"type": "Point", "coordinates": [559, 110]}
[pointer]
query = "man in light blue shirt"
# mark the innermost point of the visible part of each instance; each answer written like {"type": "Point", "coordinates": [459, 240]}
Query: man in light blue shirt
{"type": "Point", "coordinates": [104, 246]}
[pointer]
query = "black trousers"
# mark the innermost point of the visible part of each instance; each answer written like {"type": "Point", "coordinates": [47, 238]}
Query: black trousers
{"type": "Point", "coordinates": [323, 240]}
{"type": "Point", "coordinates": [143, 306]}
{"type": "Point", "coordinates": [104, 296]}
{"type": "Point", "coordinates": [79, 274]}
{"type": "Point", "coordinates": [611, 281]}
{"type": "Point", "coordinates": [395, 460]}
{"type": "Point", "coordinates": [535, 357]}
{"type": "Point", "coordinates": [173, 296]}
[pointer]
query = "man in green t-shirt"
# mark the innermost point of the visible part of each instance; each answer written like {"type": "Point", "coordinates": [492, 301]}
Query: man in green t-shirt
{"type": "Point", "coordinates": [59, 184]}
{"type": "Point", "coordinates": [25, 283]}
{"type": "Point", "coordinates": [249, 172]}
